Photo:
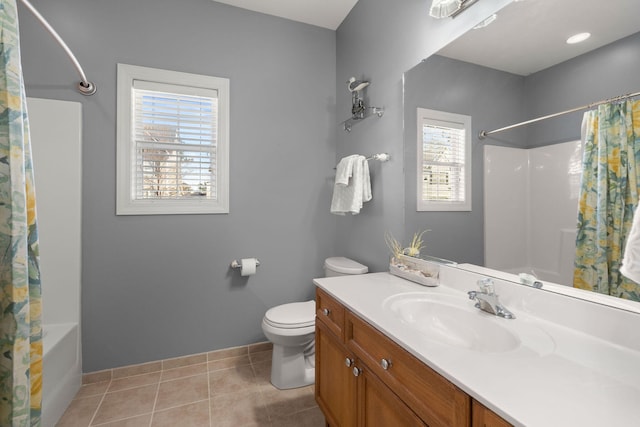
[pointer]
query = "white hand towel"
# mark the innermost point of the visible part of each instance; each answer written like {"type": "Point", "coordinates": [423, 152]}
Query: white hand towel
{"type": "Point", "coordinates": [350, 197]}
{"type": "Point", "coordinates": [344, 170]}
{"type": "Point", "coordinates": [631, 260]}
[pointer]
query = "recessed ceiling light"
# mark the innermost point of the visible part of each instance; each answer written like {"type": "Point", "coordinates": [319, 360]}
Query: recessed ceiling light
{"type": "Point", "coordinates": [577, 38]}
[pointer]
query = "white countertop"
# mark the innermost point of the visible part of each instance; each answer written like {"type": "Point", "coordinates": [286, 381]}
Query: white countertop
{"type": "Point", "coordinates": [570, 379]}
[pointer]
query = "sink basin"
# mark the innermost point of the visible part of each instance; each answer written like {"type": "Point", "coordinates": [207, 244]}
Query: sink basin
{"type": "Point", "coordinates": [453, 321]}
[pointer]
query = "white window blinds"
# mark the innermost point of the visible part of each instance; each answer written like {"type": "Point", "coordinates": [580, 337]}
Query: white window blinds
{"type": "Point", "coordinates": [175, 140]}
{"type": "Point", "coordinates": [443, 162]}
{"type": "Point", "coordinates": [444, 151]}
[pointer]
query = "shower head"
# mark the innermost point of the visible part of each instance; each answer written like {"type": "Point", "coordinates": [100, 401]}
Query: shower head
{"type": "Point", "coordinates": [356, 85]}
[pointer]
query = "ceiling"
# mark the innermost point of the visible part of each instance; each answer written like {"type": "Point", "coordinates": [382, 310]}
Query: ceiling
{"type": "Point", "coordinates": [322, 13]}
{"type": "Point", "coordinates": [530, 35]}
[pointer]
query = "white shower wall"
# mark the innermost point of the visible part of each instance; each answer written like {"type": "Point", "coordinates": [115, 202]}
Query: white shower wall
{"type": "Point", "coordinates": [531, 205]}
{"type": "Point", "coordinates": [506, 207]}
{"type": "Point", "coordinates": [56, 140]}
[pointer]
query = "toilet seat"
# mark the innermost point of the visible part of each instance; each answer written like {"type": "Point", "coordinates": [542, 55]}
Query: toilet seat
{"type": "Point", "coordinates": [292, 316]}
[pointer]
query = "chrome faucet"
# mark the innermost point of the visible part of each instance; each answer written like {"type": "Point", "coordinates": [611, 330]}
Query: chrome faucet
{"type": "Point", "coordinates": [487, 299]}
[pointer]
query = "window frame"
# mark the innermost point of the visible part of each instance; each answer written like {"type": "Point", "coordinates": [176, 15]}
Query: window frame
{"type": "Point", "coordinates": [126, 202]}
{"type": "Point", "coordinates": [425, 115]}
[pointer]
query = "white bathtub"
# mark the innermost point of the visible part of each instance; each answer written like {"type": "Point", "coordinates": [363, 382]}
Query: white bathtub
{"type": "Point", "coordinates": [540, 274]}
{"type": "Point", "coordinates": [61, 369]}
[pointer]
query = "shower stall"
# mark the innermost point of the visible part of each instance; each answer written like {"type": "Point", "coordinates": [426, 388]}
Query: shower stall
{"type": "Point", "coordinates": [56, 135]}
{"type": "Point", "coordinates": [530, 209]}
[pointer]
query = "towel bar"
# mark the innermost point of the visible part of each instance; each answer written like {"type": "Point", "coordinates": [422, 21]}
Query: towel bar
{"type": "Point", "coordinates": [381, 157]}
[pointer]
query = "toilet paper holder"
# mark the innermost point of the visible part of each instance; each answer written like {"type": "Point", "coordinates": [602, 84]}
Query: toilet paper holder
{"type": "Point", "coordinates": [236, 264]}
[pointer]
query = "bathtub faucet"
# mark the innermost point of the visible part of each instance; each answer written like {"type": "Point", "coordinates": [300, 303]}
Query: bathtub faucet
{"type": "Point", "coordinates": [487, 299]}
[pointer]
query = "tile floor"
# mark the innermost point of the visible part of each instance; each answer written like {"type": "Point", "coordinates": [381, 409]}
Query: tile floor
{"type": "Point", "coordinates": [223, 388]}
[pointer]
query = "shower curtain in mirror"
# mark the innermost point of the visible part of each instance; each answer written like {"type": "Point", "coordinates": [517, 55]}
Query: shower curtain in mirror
{"type": "Point", "coordinates": [20, 305]}
{"type": "Point", "coordinates": [608, 198]}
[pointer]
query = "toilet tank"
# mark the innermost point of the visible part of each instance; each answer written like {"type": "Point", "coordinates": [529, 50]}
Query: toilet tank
{"type": "Point", "coordinates": [341, 266]}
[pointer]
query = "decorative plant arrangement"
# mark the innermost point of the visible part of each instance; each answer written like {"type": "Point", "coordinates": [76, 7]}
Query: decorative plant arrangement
{"type": "Point", "coordinates": [413, 250]}
{"type": "Point", "coordinates": [406, 264]}
{"type": "Point", "coordinates": [416, 245]}
{"type": "Point", "coordinates": [394, 246]}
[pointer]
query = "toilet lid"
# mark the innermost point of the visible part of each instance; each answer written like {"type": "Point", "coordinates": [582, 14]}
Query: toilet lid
{"type": "Point", "coordinates": [292, 315]}
{"type": "Point", "coordinates": [343, 265]}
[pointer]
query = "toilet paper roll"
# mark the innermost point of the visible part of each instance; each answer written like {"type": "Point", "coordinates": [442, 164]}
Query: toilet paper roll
{"type": "Point", "coordinates": [248, 267]}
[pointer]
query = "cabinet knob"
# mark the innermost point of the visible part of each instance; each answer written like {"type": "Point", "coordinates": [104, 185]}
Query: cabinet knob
{"type": "Point", "coordinates": [326, 311]}
{"type": "Point", "coordinates": [386, 364]}
{"type": "Point", "coordinates": [356, 371]}
{"type": "Point", "coordinates": [348, 362]}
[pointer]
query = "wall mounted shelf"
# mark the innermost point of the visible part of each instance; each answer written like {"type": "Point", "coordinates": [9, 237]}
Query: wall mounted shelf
{"type": "Point", "coordinates": [369, 111]}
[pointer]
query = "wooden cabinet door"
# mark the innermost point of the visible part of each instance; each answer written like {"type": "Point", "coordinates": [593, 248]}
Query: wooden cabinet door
{"type": "Point", "coordinates": [380, 407]}
{"type": "Point", "coordinates": [435, 399]}
{"type": "Point", "coordinates": [335, 382]}
{"type": "Point", "coordinates": [483, 417]}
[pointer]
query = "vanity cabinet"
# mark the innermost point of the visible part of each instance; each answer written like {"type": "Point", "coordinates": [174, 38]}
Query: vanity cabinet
{"type": "Point", "coordinates": [347, 391]}
{"type": "Point", "coordinates": [483, 417]}
{"type": "Point", "coordinates": [331, 313]}
{"type": "Point", "coordinates": [363, 378]}
{"type": "Point", "coordinates": [335, 382]}
{"type": "Point", "coordinates": [378, 406]}
{"type": "Point", "coordinates": [436, 400]}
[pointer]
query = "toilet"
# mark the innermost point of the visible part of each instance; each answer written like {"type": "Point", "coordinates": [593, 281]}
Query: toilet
{"type": "Point", "coordinates": [291, 329]}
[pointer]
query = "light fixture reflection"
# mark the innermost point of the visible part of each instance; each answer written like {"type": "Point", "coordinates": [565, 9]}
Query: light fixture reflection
{"type": "Point", "coordinates": [448, 8]}
{"type": "Point", "coordinates": [486, 22]}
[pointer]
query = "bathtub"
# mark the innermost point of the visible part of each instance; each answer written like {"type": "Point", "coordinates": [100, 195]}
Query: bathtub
{"type": "Point", "coordinates": [61, 369]}
{"type": "Point", "coordinates": [540, 274]}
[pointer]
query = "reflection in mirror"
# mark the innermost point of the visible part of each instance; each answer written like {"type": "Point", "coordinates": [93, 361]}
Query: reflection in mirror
{"type": "Point", "coordinates": [525, 181]}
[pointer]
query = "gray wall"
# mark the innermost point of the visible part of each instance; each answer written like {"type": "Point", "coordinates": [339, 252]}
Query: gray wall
{"type": "Point", "coordinates": [493, 99]}
{"type": "Point", "coordinates": [155, 287]}
{"type": "Point", "coordinates": [379, 41]}
{"type": "Point", "coordinates": [601, 74]}
{"type": "Point", "coordinates": [159, 286]}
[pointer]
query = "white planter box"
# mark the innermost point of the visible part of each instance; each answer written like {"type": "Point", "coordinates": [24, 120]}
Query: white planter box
{"type": "Point", "coordinates": [417, 270]}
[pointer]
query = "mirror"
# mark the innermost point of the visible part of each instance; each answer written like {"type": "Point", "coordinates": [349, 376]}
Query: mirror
{"type": "Point", "coordinates": [515, 69]}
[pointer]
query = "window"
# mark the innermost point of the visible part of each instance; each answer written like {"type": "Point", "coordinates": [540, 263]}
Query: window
{"type": "Point", "coordinates": [173, 142]}
{"type": "Point", "coordinates": [444, 161]}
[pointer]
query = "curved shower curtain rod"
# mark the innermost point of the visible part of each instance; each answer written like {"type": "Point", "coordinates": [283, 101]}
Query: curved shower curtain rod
{"type": "Point", "coordinates": [85, 87]}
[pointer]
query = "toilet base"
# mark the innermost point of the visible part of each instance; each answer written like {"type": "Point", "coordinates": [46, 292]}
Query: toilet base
{"type": "Point", "coordinates": [293, 367]}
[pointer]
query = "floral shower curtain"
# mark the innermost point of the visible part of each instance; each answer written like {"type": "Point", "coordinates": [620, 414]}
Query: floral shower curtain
{"type": "Point", "coordinates": [20, 304]}
{"type": "Point", "coordinates": [608, 198]}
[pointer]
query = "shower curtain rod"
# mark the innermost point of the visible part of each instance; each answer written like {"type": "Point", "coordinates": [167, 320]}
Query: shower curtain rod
{"type": "Point", "coordinates": [85, 87]}
{"type": "Point", "coordinates": [483, 134]}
